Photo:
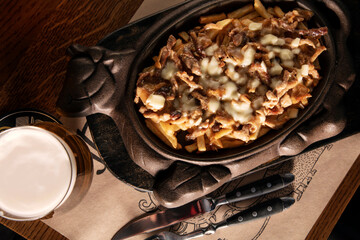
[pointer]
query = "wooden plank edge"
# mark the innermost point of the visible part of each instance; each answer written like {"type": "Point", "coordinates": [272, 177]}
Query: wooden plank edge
{"type": "Point", "coordinates": [32, 229]}
{"type": "Point", "coordinates": [337, 204]}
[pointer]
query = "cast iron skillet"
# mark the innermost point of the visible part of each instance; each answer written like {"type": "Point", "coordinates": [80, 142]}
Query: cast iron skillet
{"type": "Point", "coordinates": [102, 79]}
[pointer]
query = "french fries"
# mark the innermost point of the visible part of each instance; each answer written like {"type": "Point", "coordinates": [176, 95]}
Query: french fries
{"type": "Point", "coordinates": [259, 7]}
{"type": "Point", "coordinates": [212, 18]}
{"type": "Point", "coordinates": [184, 36]}
{"type": "Point", "coordinates": [319, 50]}
{"type": "Point", "coordinates": [155, 129]}
{"type": "Point", "coordinates": [201, 143]}
{"type": "Point", "coordinates": [191, 147]}
{"type": "Point", "coordinates": [232, 143]}
{"type": "Point", "coordinates": [241, 11]}
{"type": "Point", "coordinates": [222, 133]}
{"type": "Point", "coordinates": [250, 16]}
{"type": "Point", "coordinates": [202, 136]}
{"type": "Point", "coordinates": [164, 131]}
{"type": "Point", "coordinates": [278, 12]}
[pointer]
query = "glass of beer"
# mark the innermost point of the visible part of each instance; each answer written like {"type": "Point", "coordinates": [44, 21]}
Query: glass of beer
{"type": "Point", "coordinates": [43, 167]}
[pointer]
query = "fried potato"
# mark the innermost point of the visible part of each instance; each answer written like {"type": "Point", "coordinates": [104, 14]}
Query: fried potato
{"type": "Point", "coordinates": [278, 12]}
{"type": "Point", "coordinates": [212, 18]}
{"type": "Point", "coordinates": [155, 128]}
{"type": "Point", "coordinates": [201, 143]}
{"type": "Point", "coordinates": [259, 8]}
{"type": "Point", "coordinates": [213, 115]}
{"type": "Point", "coordinates": [250, 16]}
{"type": "Point", "coordinates": [222, 132]}
{"type": "Point", "coordinates": [232, 143]}
{"type": "Point", "coordinates": [241, 11]}
{"type": "Point", "coordinates": [191, 147]}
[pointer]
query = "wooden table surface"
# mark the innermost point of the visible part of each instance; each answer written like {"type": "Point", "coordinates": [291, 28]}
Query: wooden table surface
{"type": "Point", "coordinates": [34, 36]}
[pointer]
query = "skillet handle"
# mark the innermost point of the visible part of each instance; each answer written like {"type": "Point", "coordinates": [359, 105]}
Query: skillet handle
{"type": "Point", "coordinates": [95, 80]}
{"type": "Point", "coordinates": [330, 119]}
{"type": "Point", "coordinates": [95, 87]}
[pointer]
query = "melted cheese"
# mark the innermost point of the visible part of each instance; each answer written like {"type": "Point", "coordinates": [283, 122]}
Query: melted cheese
{"type": "Point", "coordinates": [276, 69]}
{"type": "Point", "coordinates": [286, 54]}
{"type": "Point", "coordinates": [213, 68]}
{"type": "Point", "coordinates": [210, 50]}
{"type": "Point", "coordinates": [232, 73]}
{"type": "Point", "coordinates": [230, 91]}
{"type": "Point", "coordinates": [231, 61]}
{"type": "Point", "coordinates": [275, 82]}
{"type": "Point", "coordinates": [263, 66]}
{"type": "Point", "coordinates": [288, 63]}
{"type": "Point", "coordinates": [204, 63]}
{"type": "Point", "coordinates": [213, 105]}
{"type": "Point", "coordinates": [305, 70]}
{"type": "Point", "coordinates": [302, 72]}
{"type": "Point", "coordinates": [209, 83]}
{"type": "Point", "coordinates": [210, 66]}
{"type": "Point", "coordinates": [237, 77]}
{"type": "Point", "coordinates": [271, 55]}
{"type": "Point", "coordinates": [249, 56]}
{"type": "Point", "coordinates": [270, 39]}
{"type": "Point", "coordinates": [253, 26]}
{"type": "Point", "coordinates": [241, 112]}
{"type": "Point", "coordinates": [155, 101]}
{"type": "Point", "coordinates": [253, 84]}
{"type": "Point", "coordinates": [296, 51]}
{"type": "Point", "coordinates": [223, 79]}
{"type": "Point", "coordinates": [169, 70]}
{"type": "Point", "coordinates": [187, 104]}
{"type": "Point", "coordinates": [295, 43]}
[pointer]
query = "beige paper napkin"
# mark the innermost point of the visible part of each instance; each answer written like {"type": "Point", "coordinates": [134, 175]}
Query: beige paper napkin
{"type": "Point", "coordinates": [110, 203]}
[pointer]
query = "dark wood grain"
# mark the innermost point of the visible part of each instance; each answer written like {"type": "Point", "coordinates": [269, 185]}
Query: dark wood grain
{"type": "Point", "coordinates": [336, 206]}
{"type": "Point", "coordinates": [34, 36]}
{"type": "Point", "coordinates": [35, 230]}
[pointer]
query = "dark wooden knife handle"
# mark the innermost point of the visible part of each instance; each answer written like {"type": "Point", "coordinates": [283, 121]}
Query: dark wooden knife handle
{"type": "Point", "coordinates": [261, 210]}
{"type": "Point", "coordinates": [258, 188]}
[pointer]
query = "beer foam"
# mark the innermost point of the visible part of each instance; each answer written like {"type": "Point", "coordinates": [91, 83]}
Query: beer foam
{"type": "Point", "coordinates": [35, 172]}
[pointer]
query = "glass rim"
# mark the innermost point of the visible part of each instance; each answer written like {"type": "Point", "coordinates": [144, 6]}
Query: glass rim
{"type": "Point", "coordinates": [73, 174]}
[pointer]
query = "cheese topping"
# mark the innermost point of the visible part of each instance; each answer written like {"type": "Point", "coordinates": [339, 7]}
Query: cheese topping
{"type": "Point", "coordinates": [270, 39]}
{"type": "Point", "coordinates": [286, 54]}
{"type": "Point", "coordinates": [276, 69]}
{"type": "Point", "coordinates": [234, 77]}
{"type": "Point", "coordinates": [302, 72]}
{"type": "Point", "coordinates": [295, 43]}
{"type": "Point", "coordinates": [210, 50]}
{"type": "Point", "coordinates": [156, 102]}
{"type": "Point", "coordinates": [211, 66]}
{"type": "Point", "coordinates": [187, 104]}
{"type": "Point", "coordinates": [169, 70]}
{"type": "Point", "coordinates": [230, 91]}
{"type": "Point", "coordinates": [255, 26]}
{"type": "Point", "coordinates": [213, 105]}
{"type": "Point", "coordinates": [249, 57]}
{"type": "Point", "coordinates": [240, 111]}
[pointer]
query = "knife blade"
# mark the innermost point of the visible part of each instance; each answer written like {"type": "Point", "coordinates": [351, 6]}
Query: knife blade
{"type": "Point", "coordinates": [261, 210]}
{"type": "Point", "coordinates": [161, 219]}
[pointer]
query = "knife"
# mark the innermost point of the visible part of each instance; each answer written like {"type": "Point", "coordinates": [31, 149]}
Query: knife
{"type": "Point", "coordinates": [261, 210]}
{"type": "Point", "coordinates": [161, 219]}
